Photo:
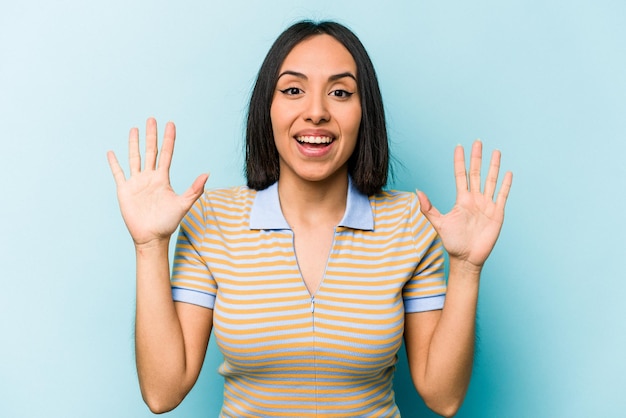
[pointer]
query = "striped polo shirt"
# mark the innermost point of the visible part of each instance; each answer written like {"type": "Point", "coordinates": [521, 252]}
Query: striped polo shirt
{"type": "Point", "coordinates": [290, 353]}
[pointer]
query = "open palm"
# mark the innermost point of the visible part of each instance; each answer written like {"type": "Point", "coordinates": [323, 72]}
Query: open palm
{"type": "Point", "coordinates": [470, 230]}
{"type": "Point", "coordinates": [150, 207]}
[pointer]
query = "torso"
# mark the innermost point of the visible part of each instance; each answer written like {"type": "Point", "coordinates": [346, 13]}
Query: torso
{"type": "Point", "coordinates": [313, 219]}
{"type": "Point", "coordinates": [331, 348]}
{"type": "Point", "coordinates": [312, 247]}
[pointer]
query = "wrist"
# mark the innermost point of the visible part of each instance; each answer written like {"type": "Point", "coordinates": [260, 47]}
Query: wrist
{"type": "Point", "coordinates": [153, 245]}
{"type": "Point", "coordinates": [465, 267]}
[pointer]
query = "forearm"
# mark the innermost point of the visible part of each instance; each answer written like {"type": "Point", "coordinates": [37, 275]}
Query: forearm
{"type": "Point", "coordinates": [159, 342]}
{"type": "Point", "coordinates": [440, 344]}
{"type": "Point", "coordinates": [448, 367]}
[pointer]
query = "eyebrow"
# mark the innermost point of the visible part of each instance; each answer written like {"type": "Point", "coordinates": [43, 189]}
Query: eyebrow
{"type": "Point", "coordinates": [334, 77]}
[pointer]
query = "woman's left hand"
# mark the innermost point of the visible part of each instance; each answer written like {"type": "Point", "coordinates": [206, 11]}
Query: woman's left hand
{"type": "Point", "coordinates": [470, 230]}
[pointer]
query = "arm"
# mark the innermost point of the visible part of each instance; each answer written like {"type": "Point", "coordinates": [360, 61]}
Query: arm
{"type": "Point", "coordinates": [170, 338]}
{"type": "Point", "coordinates": [440, 344]}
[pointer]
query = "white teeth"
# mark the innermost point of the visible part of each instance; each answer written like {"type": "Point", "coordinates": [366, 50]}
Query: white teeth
{"type": "Point", "coordinates": [314, 139]}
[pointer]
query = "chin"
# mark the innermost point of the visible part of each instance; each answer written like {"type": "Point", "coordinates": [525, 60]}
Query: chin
{"type": "Point", "coordinates": [323, 177]}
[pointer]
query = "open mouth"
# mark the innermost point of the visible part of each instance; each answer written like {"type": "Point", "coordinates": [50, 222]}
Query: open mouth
{"type": "Point", "coordinates": [314, 140]}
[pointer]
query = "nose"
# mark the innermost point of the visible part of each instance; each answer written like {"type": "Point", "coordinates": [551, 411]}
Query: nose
{"type": "Point", "coordinates": [317, 109]}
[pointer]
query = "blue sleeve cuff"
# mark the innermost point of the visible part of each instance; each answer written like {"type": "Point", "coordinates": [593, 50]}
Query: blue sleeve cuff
{"type": "Point", "coordinates": [194, 297]}
{"type": "Point", "coordinates": [424, 304]}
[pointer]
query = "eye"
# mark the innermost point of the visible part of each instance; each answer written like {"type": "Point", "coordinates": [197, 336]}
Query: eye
{"type": "Point", "coordinates": [291, 91]}
{"type": "Point", "coordinates": [341, 93]}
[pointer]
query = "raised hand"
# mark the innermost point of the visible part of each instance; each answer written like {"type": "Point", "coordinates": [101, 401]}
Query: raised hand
{"type": "Point", "coordinates": [150, 207]}
{"type": "Point", "coordinates": [470, 230]}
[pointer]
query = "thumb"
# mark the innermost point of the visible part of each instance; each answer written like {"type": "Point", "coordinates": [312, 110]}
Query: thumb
{"type": "Point", "coordinates": [196, 189]}
{"type": "Point", "coordinates": [431, 212]}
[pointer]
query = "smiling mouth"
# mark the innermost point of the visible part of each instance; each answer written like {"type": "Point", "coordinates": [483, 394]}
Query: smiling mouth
{"type": "Point", "coordinates": [314, 140]}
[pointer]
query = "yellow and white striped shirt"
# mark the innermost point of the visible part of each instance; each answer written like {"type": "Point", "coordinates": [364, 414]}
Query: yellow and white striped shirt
{"type": "Point", "coordinates": [291, 353]}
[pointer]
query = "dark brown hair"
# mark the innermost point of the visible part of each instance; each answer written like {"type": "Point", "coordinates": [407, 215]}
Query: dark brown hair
{"type": "Point", "coordinates": [369, 164]}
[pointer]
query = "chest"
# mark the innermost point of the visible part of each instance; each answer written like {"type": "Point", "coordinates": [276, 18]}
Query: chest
{"type": "Point", "coordinates": [265, 312]}
{"type": "Point", "coordinates": [313, 249]}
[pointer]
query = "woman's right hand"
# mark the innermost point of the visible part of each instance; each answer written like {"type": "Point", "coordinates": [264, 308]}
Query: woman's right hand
{"type": "Point", "coordinates": [151, 209]}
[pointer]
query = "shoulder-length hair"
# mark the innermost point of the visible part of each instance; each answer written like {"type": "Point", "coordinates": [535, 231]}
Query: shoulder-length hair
{"type": "Point", "coordinates": [369, 163]}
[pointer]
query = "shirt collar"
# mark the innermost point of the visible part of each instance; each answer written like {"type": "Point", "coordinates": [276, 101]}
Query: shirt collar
{"type": "Point", "coordinates": [266, 212]}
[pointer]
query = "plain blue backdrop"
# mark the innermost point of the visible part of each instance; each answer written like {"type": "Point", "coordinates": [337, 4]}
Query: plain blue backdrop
{"type": "Point", "coordinates": [544, 81]}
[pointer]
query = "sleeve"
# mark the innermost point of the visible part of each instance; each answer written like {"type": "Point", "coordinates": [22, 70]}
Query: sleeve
{"type": "Point", "coordinates": [192, 281]}
{"type": "Point", "coordinates": [426, 289]}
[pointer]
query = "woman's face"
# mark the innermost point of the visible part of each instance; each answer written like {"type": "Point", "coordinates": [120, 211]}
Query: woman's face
{"type": "Point", "coordinates": [316, 110]}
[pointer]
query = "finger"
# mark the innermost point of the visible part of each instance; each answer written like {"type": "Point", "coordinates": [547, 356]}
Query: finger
{"type": "Point", "coordinates": [195, 190]}
{"type": "Point", "coordinates": [116, 169]}
{"type": "Point", "coordinates": [431, 213]}
{"type": "Point", "coordinates": [151, 144]}
{"type": "Point", "coordinates": [167, 149]}
{"type": "Point", "coordinates": [134, 157]}
{"type": "Point", "coordinates": [474, 169]}
{"type": "Point", "coordinates": [505, 188]}
{"type": "Point", "coordinates": [460, 175]}
{"type": "Point", "coordinates": [492, 175]}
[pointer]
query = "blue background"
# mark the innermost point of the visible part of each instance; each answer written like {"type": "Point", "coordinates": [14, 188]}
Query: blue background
{"type": "Point", "coordinates": [544, 81]}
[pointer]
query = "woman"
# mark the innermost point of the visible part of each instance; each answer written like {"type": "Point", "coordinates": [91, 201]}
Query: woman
{"type": "Point", "coordinates": [312, 274]}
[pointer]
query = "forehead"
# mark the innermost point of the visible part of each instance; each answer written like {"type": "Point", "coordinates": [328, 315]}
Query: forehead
{"type": "Point", "coordinates": [321, 53]}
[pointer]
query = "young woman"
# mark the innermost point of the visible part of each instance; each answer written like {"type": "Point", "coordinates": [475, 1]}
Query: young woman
{"type": "Point", "coordinates": [311, 275]}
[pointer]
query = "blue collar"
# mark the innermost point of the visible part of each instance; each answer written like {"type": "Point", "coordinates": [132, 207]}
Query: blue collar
{"type": "Point", "coordinates": [266, 212]}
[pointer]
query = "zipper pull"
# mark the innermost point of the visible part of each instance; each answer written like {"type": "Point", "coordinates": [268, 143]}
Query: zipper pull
{"type": "Point", "coordinates": [312, 305]}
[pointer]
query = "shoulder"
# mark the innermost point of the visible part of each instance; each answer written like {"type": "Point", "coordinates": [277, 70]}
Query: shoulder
{"type": "Point", "coordinates": [229, 200]}
{"type": "Point", "coordinates": [398, 208]}
{"type": "Point", "coordinates": [226, 193]}
{"type": "Point", "coordinates": [394, 200]}
{"type": "Point", "coordinates": [229, 194]}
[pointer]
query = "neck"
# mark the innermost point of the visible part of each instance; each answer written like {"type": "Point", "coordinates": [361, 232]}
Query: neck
{"type": "Point", "coordinates": [320, 203]}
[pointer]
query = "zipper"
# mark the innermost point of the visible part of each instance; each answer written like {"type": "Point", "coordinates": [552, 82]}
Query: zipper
{"type": "Point", "coordinates": [314, 347]}
{"type": "Point", "coordinates": [313, 312]}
